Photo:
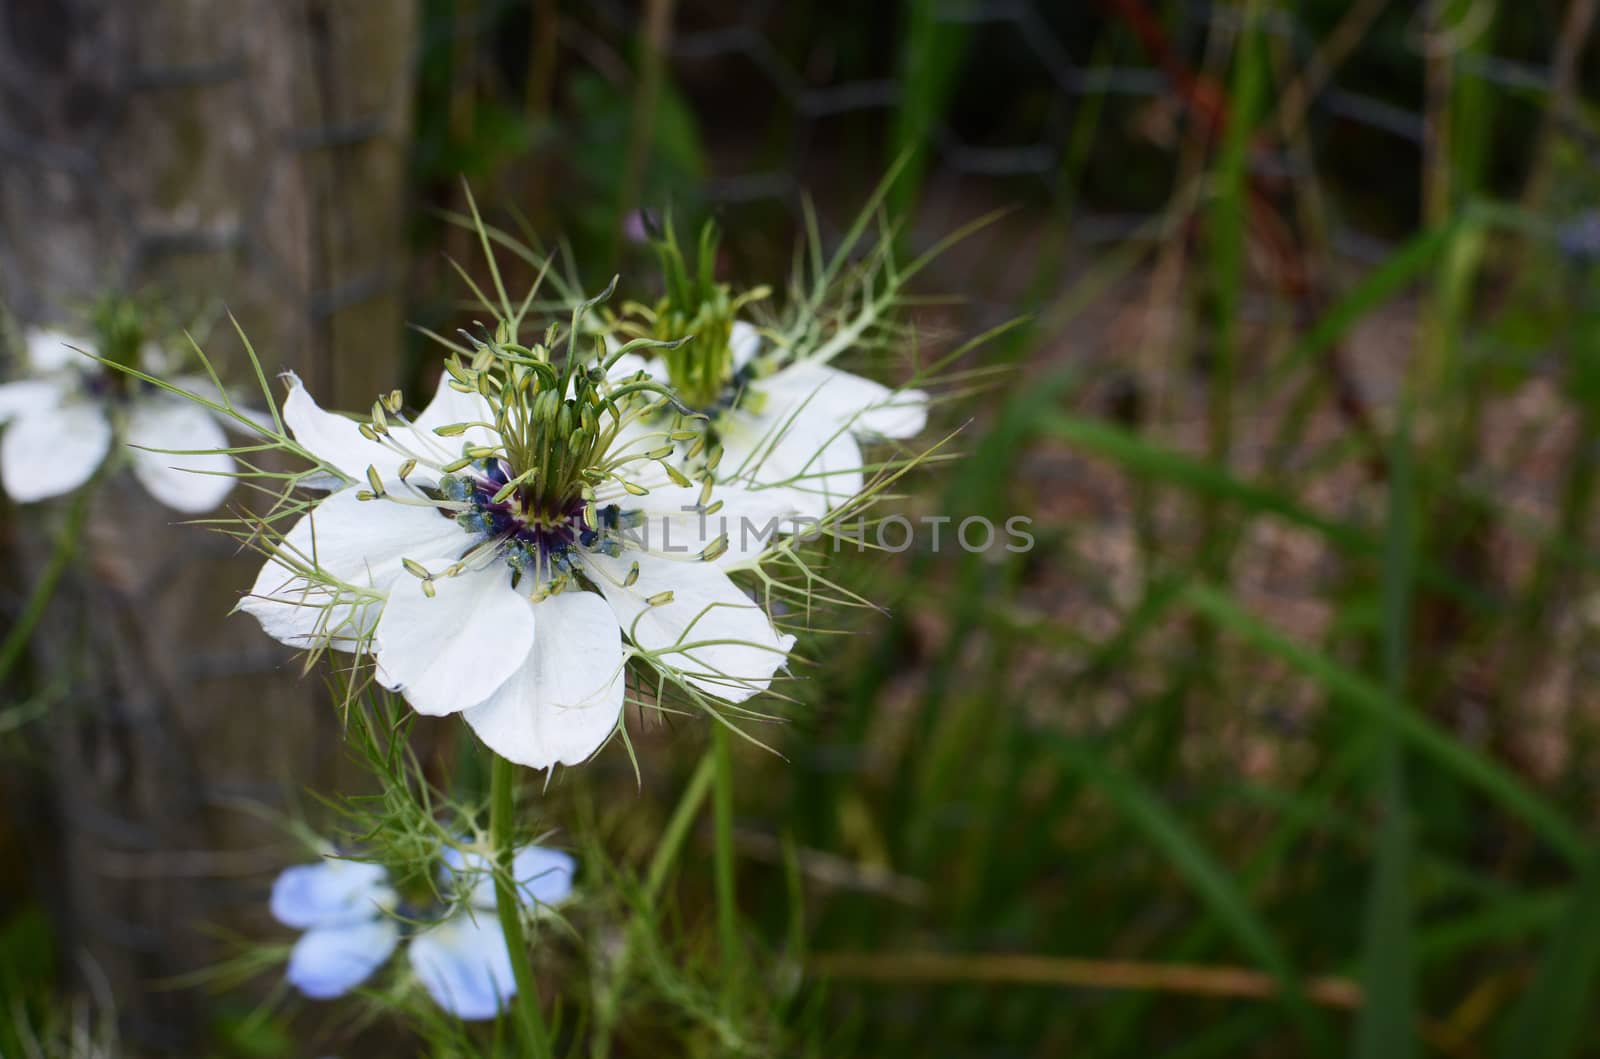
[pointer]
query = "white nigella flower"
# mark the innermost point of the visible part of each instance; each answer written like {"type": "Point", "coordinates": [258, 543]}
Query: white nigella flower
{"type": "Point", "coordinates": [60, 421]}
{"type": "Point", "coordinates": [776, 419]}
{"type": "Point", "coordinates": [498, 552]}
{"type": "Point", "coordinates": [787, 423]}
{"type": "Point", "coordinates": [354, 919]}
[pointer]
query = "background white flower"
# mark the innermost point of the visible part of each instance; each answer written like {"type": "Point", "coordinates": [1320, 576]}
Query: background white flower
{"type": "Point", "coordinates": [800, 426]}
{"type": "Point", "coordinates": [59, 424]}
{"type": "Point", "coordinates": [521, 627]}
{"type": "Point", "coordinates": [345, 908]}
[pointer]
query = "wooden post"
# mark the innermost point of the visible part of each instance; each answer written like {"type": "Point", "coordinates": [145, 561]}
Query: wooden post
{"type": "Point", "coordinates": [247, 154]}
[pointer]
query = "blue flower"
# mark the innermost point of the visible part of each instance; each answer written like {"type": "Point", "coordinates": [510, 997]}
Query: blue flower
{"type": "Point", "coordinates": [462, 960]}
{"type": "Point", "coordinates": [342, 906]}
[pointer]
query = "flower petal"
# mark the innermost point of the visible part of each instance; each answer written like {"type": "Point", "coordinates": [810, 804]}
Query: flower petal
{"type": "Point", "coordinates": [449, 407]}
{"type": "Point", "coordinates": [465, 966]}
{"type": "Point", "coordinates": [189, 483]}
{"type": "Point", "coordinates": [453, 650]}
{"type": "Point", "coordinates": [30, 395]}
{"type": "Point", "coordinates": [630, 364]}
{"type": "Point", "coordinates": [357, 542]}
{"type": "Point", "coordinates": [203, 386]}
{"type": "Point", "coordinates": [335, 439]}
{"type": "Point", "coordinates": [50, 350]}
{"type": "Point", "coordinates": [543, 875]}
{"type": "Point", "coordinates": [330, 961]}
{"type": "Point", "coordinates": [331, 893]}
{"type": "Point", "coordinates": [744, 342]}
{"type": "Point", "coordinates": [50, 451]}
{"type": "Point", "coordinates": [564, 701]}
{"type": "Point", "coordinates": [814, 463]}
{"type": "Point", "coordinates": [674, 523]}
{"type": "Point", "coordinates": [736, 650]}
{"type": "Point", "coordinates": [870, 408]}
{"type": "Point", "coordinates": [902, 415]}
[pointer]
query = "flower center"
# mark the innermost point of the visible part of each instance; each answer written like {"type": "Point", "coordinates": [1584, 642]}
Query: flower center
{"type": "Point", "coordinates": [530, 536]}
{"type": "Point", "coordinates": [699, 370]}
{"type": "Point", "coordinates": [702, 370]}
{"type": "Point", "coordinates": [549, 440]}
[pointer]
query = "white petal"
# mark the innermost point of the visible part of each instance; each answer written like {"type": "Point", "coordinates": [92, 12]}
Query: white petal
{"type": "Point", "coordinates": [335, 439]}
{"type": "Point", "coordinates": [448, 407]}
{"type": "Point", "coordinates": [676, 524]}
{"type": "Point", "coordinates": [869, 408]}
{"type": "Point", "coordinates": [636, 436]}
{"type": "Point", "coordinates": [203, 386]}
{"type": "Point", "coordinates": [30, 395]}
{"type": "Point", "coordinates": [543, 875]}
{"type": "Point", "coordinates": [465, 966]}
{"type": "Point", "coordinates": [331, 893]}
{"type": "Point", "coordinates": [904, 414]}
{"type": "Point", "coordinates": [155, 359]}
{"type": "Point", "coordinates": [563, 703]}
{"type": "Point", "coordinates": [51, 350]}
{"type": "Point", "coordinates": [823, 465]}
{"type": "Point", "coordinates": [816, 462]}
{"type": "Point", "coordinates": [736, 650]}
{"type": "Point", "coordinates": [53, 450]}
{"type": "Point", "coordinates": [330, 961]}
{"type": "Point", "coordinates": [358, 542]}
{"type": "Point", "coordinates": [190, 483]}
{"type": "Point", "coordinates": [752, 519]}
{"type": "Point", "coordinates": [744, 342]}
{"type": "Point", "coordinates": [452, 650]}
{"type": "Point", "coordinates": [260, 417]}
{"type": "Point", "coordinates": [630, 364]}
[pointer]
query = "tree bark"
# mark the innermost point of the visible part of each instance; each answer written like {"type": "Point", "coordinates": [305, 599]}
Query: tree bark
{"type": "Point", "coordinates": [242, 153]}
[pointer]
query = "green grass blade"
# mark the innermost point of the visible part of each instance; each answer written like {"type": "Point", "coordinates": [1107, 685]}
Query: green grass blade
{"type": "Point", "coordinates": [1549, 1020]}
{"type": "Point", "coordinates": [1384, 1028]}
{"type": "Point", "coordinates": [1501, 786]}
{"type": "Point", "coordinates": [1209, 880]}
{"type": "Point", "coordinates": [1403, 267]}
{"type": "Point", "coordinates": [1146, 460]}
{"type": "Point", "coordinates": [929, 62]}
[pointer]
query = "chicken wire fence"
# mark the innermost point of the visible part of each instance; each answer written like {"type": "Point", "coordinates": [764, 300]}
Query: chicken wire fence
{"type": "Point", "coordinates": [783, 97]}
{"type": "Point", "coordinates": [1033, 63]}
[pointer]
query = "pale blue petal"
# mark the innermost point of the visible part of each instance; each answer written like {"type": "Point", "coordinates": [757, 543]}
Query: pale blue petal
{"type": "Point", "coordinates": [465, 966]}
{"type": "Point", "coordinates": [543, 875]}
{"type": "Point", "coordinates": [332, 893]}
{"type": "Point", "coordinates": [331, 961]}
{"type": "Point", "coordinates": [467, 874]}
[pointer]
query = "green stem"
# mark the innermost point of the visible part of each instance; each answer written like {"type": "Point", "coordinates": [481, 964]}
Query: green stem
{"type": "Point", "coordinates": [502, 834]}
{"type": "Point", "coordinates": [722, 813]}
{"type": "Point", "coordinates": [678, 828]}
{"type": "Point", "coordinates": [67, 542]}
